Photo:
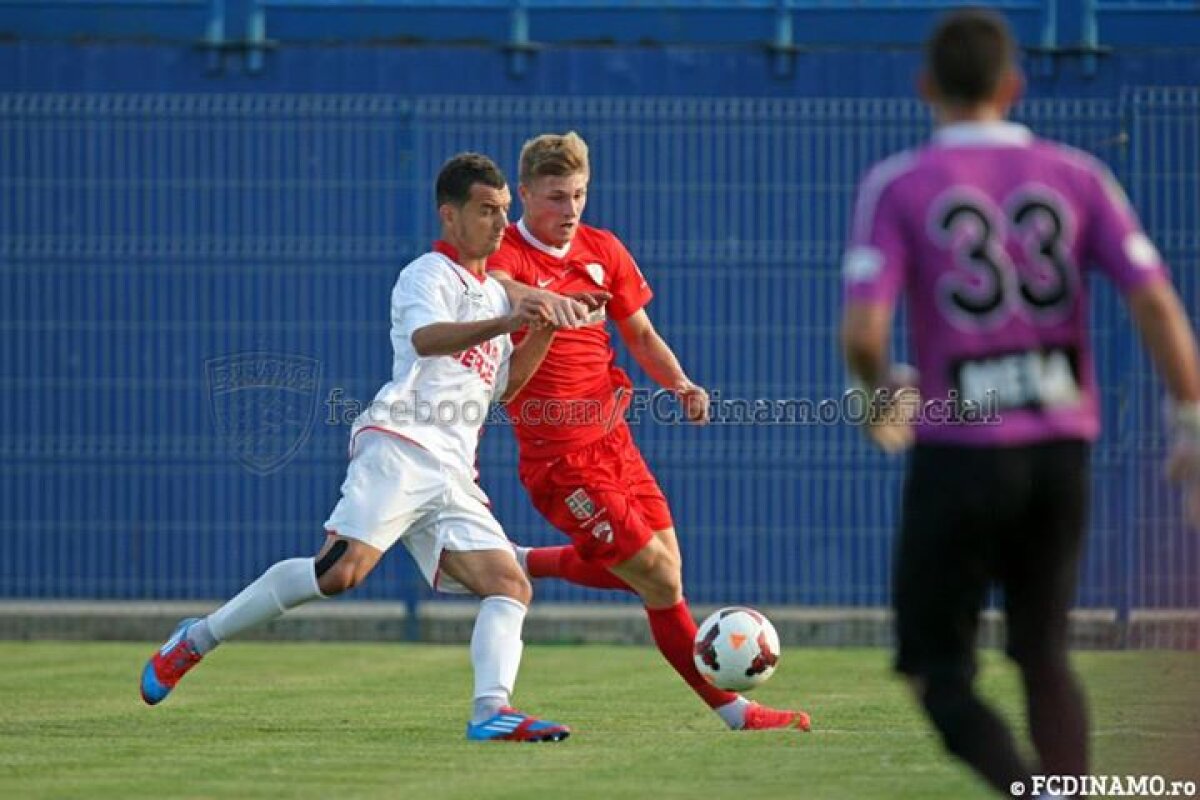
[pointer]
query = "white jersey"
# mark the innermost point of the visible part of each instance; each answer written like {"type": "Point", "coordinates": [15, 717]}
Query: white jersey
{"type": "Point", "coordinates": [441, 402]}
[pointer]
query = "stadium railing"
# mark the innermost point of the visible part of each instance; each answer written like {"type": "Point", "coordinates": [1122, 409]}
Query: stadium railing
{"type": "Point", "coordinates": [782, 27]}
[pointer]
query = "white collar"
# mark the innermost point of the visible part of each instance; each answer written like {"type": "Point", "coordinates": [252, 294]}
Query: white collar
{"type": "Point", "coordinates": [557, 252]}
{"type": "Point", "coordinates": [983, 134]}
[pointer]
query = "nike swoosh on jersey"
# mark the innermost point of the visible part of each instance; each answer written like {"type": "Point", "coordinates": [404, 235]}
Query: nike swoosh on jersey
{"type": "Point", "coordinates": [543, 284]}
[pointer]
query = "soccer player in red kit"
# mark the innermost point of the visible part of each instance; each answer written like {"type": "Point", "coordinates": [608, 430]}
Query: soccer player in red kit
{"type": "Point", "coordinates": [578, 460]}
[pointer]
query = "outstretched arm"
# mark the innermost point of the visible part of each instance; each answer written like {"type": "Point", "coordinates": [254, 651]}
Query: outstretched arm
{"type": "Point", "coordinates": [655, 356]}
{"type": "Point", "coordinates": [566, 311]}
{"type": "Point", "coordinates": [448, 338]}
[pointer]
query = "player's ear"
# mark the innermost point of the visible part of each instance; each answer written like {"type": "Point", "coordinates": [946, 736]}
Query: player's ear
{"type": "Point", "coordinates": [927, 89]}
{"type": "Point", "coordinates": [1012, 86]}
{"type": "Point", "coordinates": [446, 214]}
{"type": "Point", "coordinates": [523, 193]}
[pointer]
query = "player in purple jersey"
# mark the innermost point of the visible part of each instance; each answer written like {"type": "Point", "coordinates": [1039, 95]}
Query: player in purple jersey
{"type": "Point", "coordinates": [987, 231]}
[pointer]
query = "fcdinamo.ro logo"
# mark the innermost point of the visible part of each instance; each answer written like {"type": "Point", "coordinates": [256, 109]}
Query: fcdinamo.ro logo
{"type": "Point", "coordinates": [263, 405]}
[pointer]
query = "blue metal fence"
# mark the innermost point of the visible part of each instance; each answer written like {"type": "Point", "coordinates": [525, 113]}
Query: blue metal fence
{"type": "Point", "coordinates": [144, 236]}
{"type": "Point", "coordinates": [1164, 181]}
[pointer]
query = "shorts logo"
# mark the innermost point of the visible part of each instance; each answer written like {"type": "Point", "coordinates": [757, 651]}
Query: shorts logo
{"type": "Point", "coordinates": [603, 531]}
{"type": "Point", "coordinates": [263, 405]}
{"type": "Point", "coordinates": [581, 506]}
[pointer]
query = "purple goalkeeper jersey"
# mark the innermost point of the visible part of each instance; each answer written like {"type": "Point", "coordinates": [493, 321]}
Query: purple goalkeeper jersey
{"type": "Point", "coordinates": [987, 231]}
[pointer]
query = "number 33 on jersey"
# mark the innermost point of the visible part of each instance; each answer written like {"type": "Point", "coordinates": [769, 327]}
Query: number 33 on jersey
{"type": "Point", "coordinates": [993, 268]}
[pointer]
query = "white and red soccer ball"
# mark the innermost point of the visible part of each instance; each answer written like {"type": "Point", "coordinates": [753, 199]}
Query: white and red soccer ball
{"type": "Point", "coordinates": [736, 648]}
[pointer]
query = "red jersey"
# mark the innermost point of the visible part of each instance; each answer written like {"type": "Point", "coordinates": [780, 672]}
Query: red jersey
{"type": "Point", "coordinates": [571, 401]}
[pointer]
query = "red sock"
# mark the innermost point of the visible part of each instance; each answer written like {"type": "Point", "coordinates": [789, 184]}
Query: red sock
{"type": "Point", "coordinates": [674, 632]}
{"type": "Point", "coordinates": [563, 562]}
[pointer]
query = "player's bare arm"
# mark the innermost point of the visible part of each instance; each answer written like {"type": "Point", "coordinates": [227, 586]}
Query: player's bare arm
{"type": "Point", "coordinates": [866, 329]}
{"type": "Point", "coordinates": [526, 358]}
{"type": "Point", "coordinates": [567, 312]}
{"type": "Point", "coordinates": [1168, 336]}
{"type": "Point", "coordinates": [448, 338]}
{"type": "Point", "coordinates": [1167, 333]}
{"type": "Point", "coordinates": [655, 356]}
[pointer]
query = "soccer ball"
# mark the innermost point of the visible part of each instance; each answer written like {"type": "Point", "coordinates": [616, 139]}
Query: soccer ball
{"type": "Point", "coordinates": [736, 649]}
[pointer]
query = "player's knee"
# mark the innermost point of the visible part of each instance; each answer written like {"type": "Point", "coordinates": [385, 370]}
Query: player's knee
{"type": "Point", "coordinates": [671, 582]}
{"type": "Point", "coordinates": [511, 584]}
{"type": "Point", "coordinates": [337, 580]}
{"type": "Point", "coordinates": [942, 692]}
{"type": "Point", "coordinates": [668, 573]}
{"type": "Point", "coordinates": [1041, 669]}
{"type": "Point", "coordinates": [664, 586]}
{"type": "Point", "coordinates": [659, 575]}
{"type": "Point", "coordinates": [520, 589]}
{"type": "Point", "coordinates": [342, 576]}
{"type": "Point", "coordinates": [949, 701]}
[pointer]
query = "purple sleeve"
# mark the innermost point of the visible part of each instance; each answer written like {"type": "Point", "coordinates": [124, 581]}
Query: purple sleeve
{"type": "Point", "coordinates": [1115, 240]}
{"type": "Point", "coordinates": [876, 261]}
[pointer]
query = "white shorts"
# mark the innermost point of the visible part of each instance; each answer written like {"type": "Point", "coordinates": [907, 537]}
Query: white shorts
{"type": "Point", "coordinates": [396, 490]}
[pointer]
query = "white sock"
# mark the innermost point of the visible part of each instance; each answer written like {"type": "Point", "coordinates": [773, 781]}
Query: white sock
{"type": "Point", "coordinates": [201, 638]}
{"type": "Point", "coordinates": [486, 707]}
{"type": "Point", "coordinates": [734, 714]}
{"type": "Point", "coordinates": [496, 649]}
{"type": "Point", "coordinates": [282, 587]}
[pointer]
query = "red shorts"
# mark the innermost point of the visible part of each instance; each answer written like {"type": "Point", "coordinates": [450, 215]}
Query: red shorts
{"type": "Point", "coordinates": [603, 496]}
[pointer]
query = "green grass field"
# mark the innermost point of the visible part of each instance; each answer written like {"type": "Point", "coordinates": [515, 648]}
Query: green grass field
{"type": "Point", "coordinates": [386, 721]}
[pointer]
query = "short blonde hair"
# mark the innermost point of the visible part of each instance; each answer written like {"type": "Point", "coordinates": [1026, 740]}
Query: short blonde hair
{"type": "Point", "coordinates": [553, 154]}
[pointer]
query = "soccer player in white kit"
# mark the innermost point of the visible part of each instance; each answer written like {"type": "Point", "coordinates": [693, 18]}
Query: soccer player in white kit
{"type": "Point", "coordinates": [411, 476]}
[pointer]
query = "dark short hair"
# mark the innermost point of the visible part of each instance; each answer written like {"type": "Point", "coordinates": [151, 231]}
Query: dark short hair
{"type": "Point", "coordinates": [463, 171]}
{"type": "Point", "coordinates": [968, 53]}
